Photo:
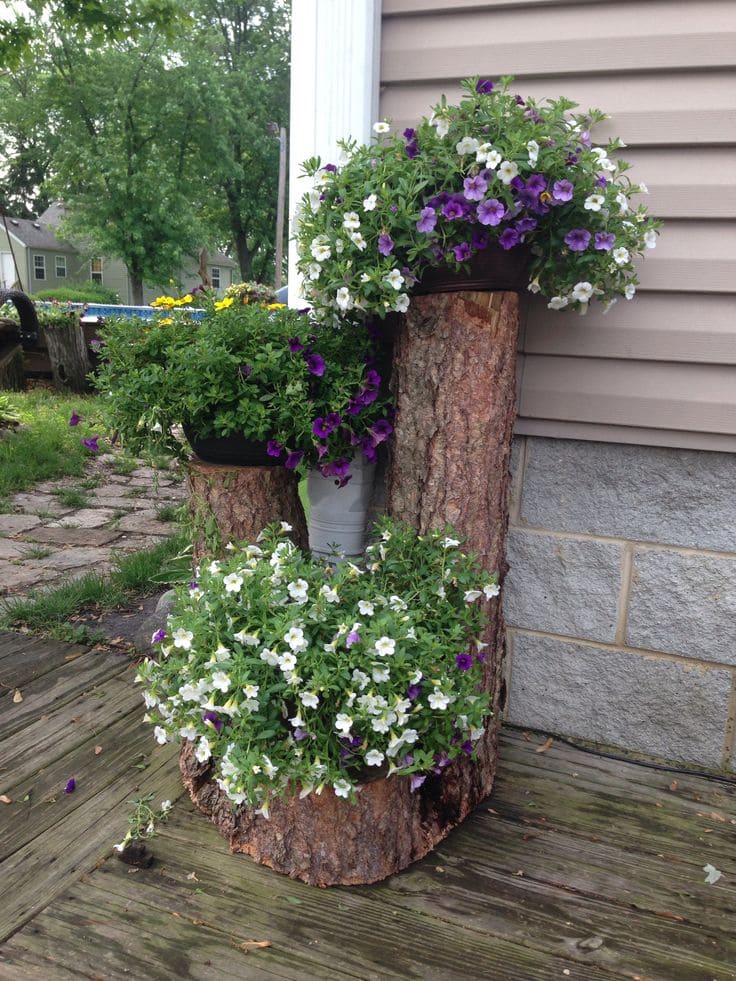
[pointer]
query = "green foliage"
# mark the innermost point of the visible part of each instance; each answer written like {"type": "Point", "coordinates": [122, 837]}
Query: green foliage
{"type": "Point", "coordinates": [491, 170]}
{"type": "Point", "coordinates": [47, 447]}
{"type": "Point", "coordinates": [236, 372]}
{"type": "Point", "coordinates": [8, 413]}
{"type": "Point", "coordinates": [79, 293]}
{"type": "Point", "coordinates": [260, 667]}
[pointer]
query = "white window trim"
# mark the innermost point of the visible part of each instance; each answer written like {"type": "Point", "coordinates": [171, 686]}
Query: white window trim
{"type": "Point", "coordinates": [335, 71]}
{"type": "Point", "coordinates": [93, 272]}
{"type": "Point", "coordinates": [216, 270]}
{"type": "Point", "coordinates": [56, 266]}
{"type": "Point", "coordinates": [36, 267]}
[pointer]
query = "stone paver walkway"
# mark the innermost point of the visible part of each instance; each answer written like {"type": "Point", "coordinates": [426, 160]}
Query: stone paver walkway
{"type": "Point", "coordinates": [44, 541]}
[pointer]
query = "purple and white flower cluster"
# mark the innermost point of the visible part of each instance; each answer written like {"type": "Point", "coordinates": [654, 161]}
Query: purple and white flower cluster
{"type": "Point", "coordinates": [292, 675]}
{"type": "Point", "coordinates": [494, 172]}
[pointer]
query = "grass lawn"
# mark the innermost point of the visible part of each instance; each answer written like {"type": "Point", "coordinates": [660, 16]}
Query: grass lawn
{"type": "Point", "coordinates": [49, 448]}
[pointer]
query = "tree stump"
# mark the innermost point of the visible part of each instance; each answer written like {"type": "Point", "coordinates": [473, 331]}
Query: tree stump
{"type": "Point", "coordinates": [230, 503]}
{"type": "Point", "coordinates": [68, 355]}
{"type": "Point", "coordinates": [454, 379]}
{"type": "Point", "coordinates": [12, 372]}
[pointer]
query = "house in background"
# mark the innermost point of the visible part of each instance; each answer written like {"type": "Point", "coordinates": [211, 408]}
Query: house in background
{"type": "Point", "coordinates": [33, 257]}
{"type": "Point", "coordinates": [621, 597]}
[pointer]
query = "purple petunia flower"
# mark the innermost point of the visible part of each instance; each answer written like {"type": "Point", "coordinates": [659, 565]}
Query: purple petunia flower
{"type": "Point", "coordinates": [571, 159]}
{"type": "Point", "coordinates": [274, 448]}
{"type": "Point", "coordinates": [338, 468]}
{"type": "Point", "coordinates": [321, 450]}
{"type": "Point", "coordinates": [293, 459]}
{"type": "Point", "coordinates": [74, 419]}
{"type": "Point", "coordinates": [524, 225]}
{"type": "Point", "coordinates": [213, 720]}
{"type": "Point", "coordinates": [409, 133]}
{"type": "Point", "coordinates": [245, 370]}
{"type": "Point", "coordinates": [372, 378]}
{"type": "Point", "coordinates": [415, 781]}
{"type": "Point", "coordinates": [319, 428]}
{"type": "Point", "coordinates": [474, 188]}
{"type": "Point", "coordinates": [479, 241]}
{"type": "Point", "coordinates": [509, 239]}
{"type": "Point", "coordinates": [462, 252]}
{"type": "Point", "coordinates": [369, 450]}
{"type": "Point", "coordinates": [467, 747]}
{"type": "Point", "coordinates": [352, 638]}
{"type": "Point", "coordinates": [71, 786]}
{"type": "Point", "coordinates": [96, 344]}
{"type": "Point", "coordinates": [330, 167]}
{"type": "Point", "coordinates": [427, 220]}
{"type": "Point", "coordinates": [194, 584]}
{"type": "Point", "coordinates": [536, 184]}
{"type": "Point", "coordinates": [385, 244]}
{"type": "Point", "coordinates": [464, 661]}
{"type": "Point", "coordinates": [300, 734]}
{"type": "Point", "coordinates": [484, 86]}
{"type": "Point", "coordinates": [439, 200]}
{"type": "Point", "coordinates": [412, 149]}
{"type": "Point", "coordinates": [91, 444]}
{"type": "Point", "coordinates": [601, 181]}
{"type": "Point", "coordinates": [315, 364]}
{"type": "Point", "coordinates": [518, 100]}
{"type": "Point", "coordinates": [577, 239]}
{"type": "Point", "coordinates": [491, 212]}
{"type": "Point", "coordinates": [562, 191]}
{"type": "Point", "coordinates": [381, 430]}
{"type": "Point", "coordinates": [295, 345]}
{"type": "Point", "coordinates": [442, 760]}
{"type": "Point", "coordinates": [604, 241]}
{"type": "Point", "coordinates": [453, 209]}
{"type": "Point", "coordinates": [413, 692]}
{"type": "Point", "coordinates": [158, 636]}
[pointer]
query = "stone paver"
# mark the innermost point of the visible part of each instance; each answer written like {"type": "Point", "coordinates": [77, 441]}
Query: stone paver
{"type": "Point", "coordinates": [43, 542]}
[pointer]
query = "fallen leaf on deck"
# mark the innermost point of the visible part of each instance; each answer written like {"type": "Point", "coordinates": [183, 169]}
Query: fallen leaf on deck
{"type": "Point", "coordinates": [671, 916]}
{"type": "Point", "coordinates": [520, 872]}
{"type": "Point", "coordinates": [17, 696]}
{"type": "Point", "coordinates": [193, 877]}
{"type": "Point", "coordinates": [4, 799]}
{"type": "Point", "coordinates": [526, 736]}
{"type": "Point", "coordinates": [438, 868]}
{"type": "Point", "coordinates": [658, 803]}
{"type": "Point", "coordinates": [712, 874]}
{"type": "Point", "coordinates": [715, 816]}
{"type": "Point", "coordinates": [674, 785]}
{"type": "Point", "coordinates": [293, 900]}
{"type": "Point", "coordinates": [545, 746]}
{"type": "Point", "coordinates": [250, 945]}
{"type": "Point", "coordinates": [98, 750]}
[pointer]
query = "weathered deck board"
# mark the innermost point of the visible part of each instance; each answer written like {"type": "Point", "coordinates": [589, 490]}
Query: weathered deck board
{"type": "Point", "coordinates": [23, 658]}
{"type": "Point", "coordinates": [578, 866]}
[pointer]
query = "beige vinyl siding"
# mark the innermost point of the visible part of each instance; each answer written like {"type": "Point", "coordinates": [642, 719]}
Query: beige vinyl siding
{"type": "Point", "coordinates": [661, 369]}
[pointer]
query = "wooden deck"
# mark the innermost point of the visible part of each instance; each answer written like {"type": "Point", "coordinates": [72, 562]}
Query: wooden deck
{"type": "Point", "coordinates": [578, 866]}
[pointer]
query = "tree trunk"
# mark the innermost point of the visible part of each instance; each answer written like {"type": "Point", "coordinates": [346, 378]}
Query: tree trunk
{"type": "Point", "coordinates": [454, 379]}
{"type": "Point", "coordinates": [235, 503]}
{"type": "Point", "coordinates": [68, 355]}
{"type": "Point", "coordinates": [204, 274]}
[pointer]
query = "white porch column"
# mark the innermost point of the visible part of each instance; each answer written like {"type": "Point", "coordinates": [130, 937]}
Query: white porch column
{"type": "Point", "coordinates": [335, 52]}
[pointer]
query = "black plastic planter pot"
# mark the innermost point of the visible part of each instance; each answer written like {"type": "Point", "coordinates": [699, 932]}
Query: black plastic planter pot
{"type": "Point", "coordinates": [234, 451]}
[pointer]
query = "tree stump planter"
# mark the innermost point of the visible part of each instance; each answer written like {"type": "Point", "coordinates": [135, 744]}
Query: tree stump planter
{"type": "Point", "coordinates": [230, 503]}
{"type": "Point", "coordinates": [67, 349]}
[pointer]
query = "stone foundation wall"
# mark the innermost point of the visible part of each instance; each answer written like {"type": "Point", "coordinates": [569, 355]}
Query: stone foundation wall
{"type": "Point", "coordinates": [621, 597]}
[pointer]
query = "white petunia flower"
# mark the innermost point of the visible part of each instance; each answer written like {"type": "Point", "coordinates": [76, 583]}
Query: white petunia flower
{"type": "Point", "coordinates": [650, 239]}
{"type": "Point", "coordinates": [298, 591]}
{"type": "Point", "coordinates": [620, 256]}
{"type": "Point", "coordinates": [214, 567]}
{"type": "Point", "coordinates": [623, 203]}
{"type": "Point", "coordinates": [183, 638]}
{"type": "Point", "coordinates": [330, 594]}
{"type": "Point", "coordinates": [467, 144]}
{"type": "Point", "coordinates": [270, 657]}
{"type": "Point", "coordinates": [366, 609]}
{"type": "Point", "coordinates": [558, 303]}
{"type": "Point", "coordinates": [643, 189]}
{"type": "Point", "coordinates": [233, 583]}
{"type": "Point", "coordinates": [381, 127]}
{"type": "Point", "coordinates": [351, 220]}
{"type": "Point", "coordinates": [188, 732]}
{"type": "Point", "coordinates": [360, 678]}
{"type": "Point", "coordinates": [507, 171]}
{"type": "Point", "coordinates": [384, 646]}
{"type": "Point", "coordinates": [287, 662]}
{"type": "Point", "coordinates": [582, 292]}
{"type": "Point", "coordinates": [441, 124]}
{"type": "Point", "coordinates": [165, 806]}
{"type": "Point", "coordinates": [471, 595]}
{"type": "Point", "coordinates": [342, 788]}
{"type": "Point", "coordinates": [533, 148]}
{"type": "Point", "coordinates": [268, 767]}
{"type": "Point", "coordinates": [358, 241]}
{"type": "Point", "coordinates": [221, 681]}
{"type": "Point", "coordinates": [343, 299]}
{"type": "Point", "coordinates": [594, 202]}
{"type": "Point", "coordinates": [493, 589]}
{"type": "Point", "coordinates": [248, 640]}
{"type": "Point", "coordinates": [343, 724]}
{"type": "Point", "coordinates": [629, 291]}
{"type": "Point", "coordinates": [309, 699]}
{"type": "Point", "coordinates": [203, 751]}
{"type": "Point", "coordinates": [493, 159]}
{"type": "Point", "coordinates": [369, 203]}
{"type": "Point", "coordinates": [251, 691]}
{"type": "Point", "coordinates": [395, 279]}
{"type": "Point", "coordinates": [438, 700]}
{"type": "Point", "coordinates": [380, 674]}
{"type": "Point", "coordinates": [313, 270]}
{"type": "Point", "coordinates": [397, 604]}
{"type": "Point", "coordinates": [374, 757]}
{"type": "Point", "coordinates": [450, 542]}
{"type": "Point", "coordinates": [160, 735]}
{"type": "Point", "coordinates": [402, 303]}
{"type": "Point", "coordinates": [321, 252]}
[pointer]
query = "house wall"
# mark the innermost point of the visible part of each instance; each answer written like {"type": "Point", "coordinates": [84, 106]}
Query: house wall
{"type": "Point", "coordinates": [621, 594]}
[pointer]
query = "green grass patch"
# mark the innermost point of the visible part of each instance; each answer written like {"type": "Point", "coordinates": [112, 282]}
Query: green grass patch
{"type": "Point", "coordinates": [71, 497]}
{"type": "Point", "coordinates": [48, 611]}
{"type": "Point", "coordinates": [49, 447]}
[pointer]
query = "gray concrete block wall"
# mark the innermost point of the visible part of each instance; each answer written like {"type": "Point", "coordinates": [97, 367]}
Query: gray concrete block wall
{"type": "Point", "coordinates": [620, 599]}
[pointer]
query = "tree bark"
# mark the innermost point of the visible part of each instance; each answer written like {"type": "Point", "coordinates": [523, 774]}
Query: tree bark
{"type": "Point", "coordinates": [454, 381]}
{"type": "Point", "coordinates": [68, 355]}
{"type": "Point", "coordinates": [235, 503]}
{"type": "Point", "coordinates": [12, 374]}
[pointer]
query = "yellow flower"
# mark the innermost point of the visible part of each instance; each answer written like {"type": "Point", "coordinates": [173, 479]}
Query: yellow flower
{"type": "Point", "coordinates": [185, 299]}
{"type": "Point", "coordinates": [275, 306]}
{"type": "Point", "coordinates": [164, 301]}
{"type": "Point", "coordinates": [166, 320]}
{"type": "Point", "coordinates": [223, 304]}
